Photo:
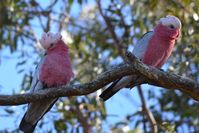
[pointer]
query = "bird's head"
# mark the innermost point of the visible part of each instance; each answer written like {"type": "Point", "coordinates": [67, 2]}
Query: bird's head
{"type": "Point", "coordinates": [49, 39]}
{"type": "Point", "coordinates": [169, 27]}
{"type": "Point", "coordinates": [171, 22]}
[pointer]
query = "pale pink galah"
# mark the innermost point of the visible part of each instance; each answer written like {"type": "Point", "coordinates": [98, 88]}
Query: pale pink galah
{"type": "Point", "coordinates": [53, 70]}
{"type": "Point", "coordinates": [154, 48]}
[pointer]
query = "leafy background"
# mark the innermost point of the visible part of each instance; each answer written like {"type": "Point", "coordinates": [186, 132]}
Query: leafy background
{"type": "Point", "coordinates": [93, 52]}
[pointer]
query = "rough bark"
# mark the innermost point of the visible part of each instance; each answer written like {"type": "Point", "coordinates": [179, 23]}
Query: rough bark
{"type": "Point", "coordinates": [149, 74]}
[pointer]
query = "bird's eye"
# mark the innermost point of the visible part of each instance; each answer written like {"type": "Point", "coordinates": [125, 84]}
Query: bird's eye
{"type": "Point", "coordinates": [171, 26]}
{"type": "Point", "coordinates": [51, 44]}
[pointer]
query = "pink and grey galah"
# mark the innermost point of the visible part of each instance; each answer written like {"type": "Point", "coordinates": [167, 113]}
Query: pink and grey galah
{"type": "Point", "coordinates": [53, 70]}
{"type": "Point", "coordinates": [154, 48]}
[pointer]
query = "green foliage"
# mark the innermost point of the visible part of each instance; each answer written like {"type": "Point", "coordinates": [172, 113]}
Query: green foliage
{"type": "Point", "coordinates": [93, 50]}
{"type": "Point", "coordinates": [14, 20]}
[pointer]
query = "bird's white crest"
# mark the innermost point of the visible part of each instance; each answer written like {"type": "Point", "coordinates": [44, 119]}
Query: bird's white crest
{"type": "Point", "coordinates": [171, 21]}
{"type": "Point", "coordinates": [49, 38]}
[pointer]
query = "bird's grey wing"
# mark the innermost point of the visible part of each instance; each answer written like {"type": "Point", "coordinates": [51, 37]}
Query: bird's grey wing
{"type": "Point", "coordinates": [38, 109]}
{"type": "Point", "coordinates": [139, 50]}
{"type": "Point", "coordinates": [141, 45]}
{"type": "Point", "coordinates": [36, 84]}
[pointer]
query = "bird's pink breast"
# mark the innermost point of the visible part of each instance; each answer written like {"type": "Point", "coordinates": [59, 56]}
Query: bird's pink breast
{"type": "Point", "coordinates": [56, 69]}
{"type": "Point", "coordinates": [156, 55]}
{"type": "Point", "coordinates": [160, 46]}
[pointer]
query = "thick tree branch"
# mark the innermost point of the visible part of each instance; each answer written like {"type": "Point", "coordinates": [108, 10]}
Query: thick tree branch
{"type": "Point", "coordinates": [165, 79]}
{"type": "Point", "coordinates": [72, 90]}
{"type": "Point", "coordinates": [150, 75]}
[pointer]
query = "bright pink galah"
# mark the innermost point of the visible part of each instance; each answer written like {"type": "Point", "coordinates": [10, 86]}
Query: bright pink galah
{"type": "Point", "coordinates": [156, 55]}
{"type": "Point", "coordinates": [53, 70]}
{"type": "Point", "coordinates": [154, 48]}
{"type": "Point", "coordinates": [56, 69]}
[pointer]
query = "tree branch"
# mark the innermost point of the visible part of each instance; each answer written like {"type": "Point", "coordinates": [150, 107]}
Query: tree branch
{"type": "Point", "coordinates": [149, 74]}
{"type": "Point", "coordinates": [149, 114]}
{"type": "Point", "coordinates": [71, 90]}
{"type": "Point", "coordinates": [87, 128]}
{"type": "Point", "coordinates": [167, 80]}
{"type": "Point", "coordinates": [111, 28]}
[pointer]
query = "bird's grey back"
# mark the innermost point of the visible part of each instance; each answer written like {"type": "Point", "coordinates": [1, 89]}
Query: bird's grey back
{"type": "Point", "coordinates": [141, 45]}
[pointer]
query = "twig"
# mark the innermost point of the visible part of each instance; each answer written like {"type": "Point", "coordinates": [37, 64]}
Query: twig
{"type": "Point", "coordinates": [118, 43]}
{"type": "Point", "coordinates": [147, 111]}
{"type": "Point", "coordinates": [82, 119]}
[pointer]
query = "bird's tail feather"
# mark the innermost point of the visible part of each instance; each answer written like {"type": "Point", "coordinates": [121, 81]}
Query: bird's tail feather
{"type": "Point", "coordinates": [110, 91]}
{"type": "Point", "coordinates": [25, 126]}
{"type": "Point", "coordinates": [127, 81]}
{"type": "Point", "coordinates": [28, 127]}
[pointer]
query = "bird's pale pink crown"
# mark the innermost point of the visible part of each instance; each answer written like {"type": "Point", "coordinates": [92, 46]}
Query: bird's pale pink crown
{"type": "Point", "coordinates": [48, 40]}
{"type": "Point", "coordinates": [53, 42]}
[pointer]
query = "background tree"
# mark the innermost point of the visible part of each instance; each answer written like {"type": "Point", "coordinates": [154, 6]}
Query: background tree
{"type": "Point", "coordinates": [99, 33]}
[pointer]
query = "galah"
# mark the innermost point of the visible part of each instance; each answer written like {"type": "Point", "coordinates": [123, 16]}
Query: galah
{"type": "Point", "coordinates": [153, 49]}
{"type": "Point", "coordinates": [53, 70]}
